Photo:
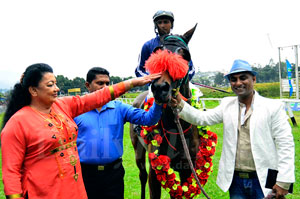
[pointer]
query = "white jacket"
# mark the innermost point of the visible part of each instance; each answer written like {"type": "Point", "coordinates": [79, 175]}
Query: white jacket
{"type": "Point", "coordinates": [272, 142]}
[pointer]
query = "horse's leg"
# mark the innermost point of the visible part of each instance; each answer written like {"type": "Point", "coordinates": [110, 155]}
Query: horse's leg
{"type": "Point", "coordinates": [185, 174]}
{"type": "Point", "coordinates": [140, 160]}
{"type": "Point", "coordinates": [140, 151]}
{"type": "Point", "coordinates": [154, 185]}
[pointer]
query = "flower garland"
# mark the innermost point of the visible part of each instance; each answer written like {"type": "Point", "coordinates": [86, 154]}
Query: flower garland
{"type": "Point", "coordinates": [161, 163]}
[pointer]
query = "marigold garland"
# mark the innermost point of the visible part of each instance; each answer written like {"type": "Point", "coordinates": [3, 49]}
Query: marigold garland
{"type": "Point", "coordinates": [161, 163]}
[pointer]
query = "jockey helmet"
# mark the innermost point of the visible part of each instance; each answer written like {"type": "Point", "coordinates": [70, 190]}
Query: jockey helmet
{"type": "Point", "coordinates": [163, 14]}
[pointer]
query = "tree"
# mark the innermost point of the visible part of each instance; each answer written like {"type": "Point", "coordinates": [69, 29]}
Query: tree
{"type": "Point", "coordinates": [115, 79]}
{"type": "Point", "coordinates": [64, 84]}
{"type": "Point", "coordinates": [219, 79]}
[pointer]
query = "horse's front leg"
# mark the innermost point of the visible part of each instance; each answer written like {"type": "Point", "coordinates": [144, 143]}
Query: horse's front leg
{"type": "Point", "coordinates": [140, 157]}
{"type": "Point", "coordinates": [154, 185]}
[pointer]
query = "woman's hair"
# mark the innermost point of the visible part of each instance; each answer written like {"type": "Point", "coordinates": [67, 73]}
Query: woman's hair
{"type": "Point", "coordinates": [20, 95]}
{"type": "Point", "coordinates": [91, 75]}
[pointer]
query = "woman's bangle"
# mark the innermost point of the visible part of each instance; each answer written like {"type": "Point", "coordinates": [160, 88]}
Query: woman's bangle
{"type": "Point", "coordinates": [131, 84]}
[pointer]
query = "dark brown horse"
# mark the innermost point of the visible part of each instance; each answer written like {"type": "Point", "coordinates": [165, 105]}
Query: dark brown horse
{"type": "Point", "coordinates": [171, 145]}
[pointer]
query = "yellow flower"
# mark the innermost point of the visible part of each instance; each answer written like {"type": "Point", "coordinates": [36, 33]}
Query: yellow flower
{"type": "Point", "coordinates": [154, 143]}
{"type": "Point", "coordinates": [145, 107]}
{"type": "Point", "coordinates": [207, 165]}
{"type": "Point", "coordinates": [185, 188]}
{"type": "Point", "coordinates": [174, 187]}
{"type": "Point", "coordinates": [170, 171]}
{"type": "Point", "coordinates": [163, 182]}
{"type": "Point", "coordinates": [156, 152]}
{"type": "Point", "coordinates": [145, 132]}
{"type": "Point", "coordinates": [208, 148]}
{"type": "Point", "coordinates": [159, 167]}
{"type": "Point", "coordinates": [198, 171]}
{"type": "Point", "coordinates": [205, 136]}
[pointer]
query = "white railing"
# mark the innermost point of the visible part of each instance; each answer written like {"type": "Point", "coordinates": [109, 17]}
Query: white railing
{"type": "Point", "coordinates": [2, 108]}
{"type": "Point", "coordinates": [126, 100]}
{"type": "Point", "coordinates": [290, 105]}
{"type": "Point", "coordinates": [288, 102]}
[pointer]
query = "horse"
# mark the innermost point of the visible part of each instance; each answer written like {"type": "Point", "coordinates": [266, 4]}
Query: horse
{"type": "Point", "coordinates": [171, 145]}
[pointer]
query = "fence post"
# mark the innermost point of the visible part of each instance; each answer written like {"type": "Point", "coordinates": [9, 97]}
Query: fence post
{"type": "Point", "coordinates": [288, 106]}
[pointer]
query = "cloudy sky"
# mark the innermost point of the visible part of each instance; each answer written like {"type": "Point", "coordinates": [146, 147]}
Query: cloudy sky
{"type": "Point", "coordinates": [75, 35]}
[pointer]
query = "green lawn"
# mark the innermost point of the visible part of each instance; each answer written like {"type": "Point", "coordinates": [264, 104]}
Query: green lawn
{"type": "Point", "coordinates": [132, 184]}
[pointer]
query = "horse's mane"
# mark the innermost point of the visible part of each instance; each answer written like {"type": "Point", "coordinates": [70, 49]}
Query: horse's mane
{"type": "Point", "coordinates": [164, 60]}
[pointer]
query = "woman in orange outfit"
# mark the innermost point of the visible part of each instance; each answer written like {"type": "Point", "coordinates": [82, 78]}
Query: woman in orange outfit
{"type": "Point", "coordinates": [39, 153]}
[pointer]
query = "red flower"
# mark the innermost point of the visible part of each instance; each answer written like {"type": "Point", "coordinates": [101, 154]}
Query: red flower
{"type": "Point", "coordinates": [200, 163]}
{"type": "Point", "coordinates": [155, 163]}
{"type": "Point", "coordinates": [208, 159]}
{"type": "Point", "coordinates": [170, 183]}
{"type": "Point", "coordinates": [158, 138]}
{"type": "Point", "coordinates": [203, 175]}
{"type": "Point", "coordinates": [204, 151]}
{"type": "Point", "coordinates": [152, 156]}
{"type": "Point", "coordinates": [203, 181]}
{"type": "Point", "coordinates": [161, 176]}
{"type": "Point", "coordinates": [177, 193]}
{"type": "Point", "coordinates": [171, 177]}
{"type": "Point", "coordinates": [193, 189]}
{"type": "Point", "coordinates": [165, 162]}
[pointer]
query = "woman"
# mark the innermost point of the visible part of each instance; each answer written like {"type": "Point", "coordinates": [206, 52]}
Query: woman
{"type": "Point", "coordinates": [39, 152]}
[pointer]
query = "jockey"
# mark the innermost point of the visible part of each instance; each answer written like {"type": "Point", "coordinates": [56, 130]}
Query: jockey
{"type": "Point", "coordinates": [163, 23]}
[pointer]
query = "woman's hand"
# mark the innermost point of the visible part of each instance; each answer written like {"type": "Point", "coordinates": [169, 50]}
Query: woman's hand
{"type": "Point", "coordinates": [141, 81]}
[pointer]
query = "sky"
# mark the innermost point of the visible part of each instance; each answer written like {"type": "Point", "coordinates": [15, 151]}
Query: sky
{"type": "Point", "coordinates": [74, 35]}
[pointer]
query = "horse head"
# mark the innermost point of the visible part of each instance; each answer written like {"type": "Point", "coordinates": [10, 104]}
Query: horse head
{"type": "Point", "coordinates": [171, 58]}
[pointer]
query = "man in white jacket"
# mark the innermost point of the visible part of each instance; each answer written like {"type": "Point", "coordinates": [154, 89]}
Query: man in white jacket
{"type": "Point", "coordinates": [256, 137]}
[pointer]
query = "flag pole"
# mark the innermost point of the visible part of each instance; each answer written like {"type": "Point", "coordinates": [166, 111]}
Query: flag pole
{"type": "Point", "coordinates": [280, 73]}
{"type": "Point", "coordinates": [296, 71]}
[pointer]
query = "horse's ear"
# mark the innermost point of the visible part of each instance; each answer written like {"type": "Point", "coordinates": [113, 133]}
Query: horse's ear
{"type": "Point", "coordinates": [188, 35]}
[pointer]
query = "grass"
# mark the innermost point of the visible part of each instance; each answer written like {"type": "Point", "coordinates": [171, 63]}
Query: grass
{"type": "Point", "coordinates": [132, 184]}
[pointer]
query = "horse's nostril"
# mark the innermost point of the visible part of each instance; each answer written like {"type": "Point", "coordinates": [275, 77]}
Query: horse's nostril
{"type": "Point", "coordinates": [165, 87]}
{"type": "Point", "coordinates": [160, 87]}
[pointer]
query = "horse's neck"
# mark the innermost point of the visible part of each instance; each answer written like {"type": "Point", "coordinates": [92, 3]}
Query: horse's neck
{"type": "Point", "coordinates": [185, 91]}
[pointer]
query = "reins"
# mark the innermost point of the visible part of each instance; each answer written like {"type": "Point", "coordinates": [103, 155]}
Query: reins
{"type": "Point", "coordinates": [186, 151]}
{"type": "Point", "coordinates": [185, 147]}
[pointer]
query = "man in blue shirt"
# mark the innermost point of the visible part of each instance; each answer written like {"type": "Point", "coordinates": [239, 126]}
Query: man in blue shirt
{"type": "Point", "coordinates": [100, 139]}
{"type": "Point", "coordinates": [163, 23]}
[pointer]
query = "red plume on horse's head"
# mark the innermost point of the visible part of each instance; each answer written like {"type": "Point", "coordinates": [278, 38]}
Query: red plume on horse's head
{"type": "Point", "coordinates": [164, 60]}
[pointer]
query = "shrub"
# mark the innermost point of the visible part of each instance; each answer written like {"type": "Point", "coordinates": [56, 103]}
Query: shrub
{"type": "Point", "coordinates": [271, 90]}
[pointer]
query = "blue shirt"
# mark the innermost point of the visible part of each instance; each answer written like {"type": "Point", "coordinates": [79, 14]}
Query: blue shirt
{"type": "Point", "coordinates": [147, 49]}
{"type": "Point", "coordinates": [100, 134]}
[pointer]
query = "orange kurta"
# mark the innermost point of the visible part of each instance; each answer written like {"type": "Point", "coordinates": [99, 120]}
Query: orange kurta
{"type": "Point", "coordinates": [39, 152]}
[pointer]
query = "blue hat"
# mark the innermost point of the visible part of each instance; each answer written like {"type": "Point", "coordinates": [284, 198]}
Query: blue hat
{"type": "Point", "coordinates": [240, 66]}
